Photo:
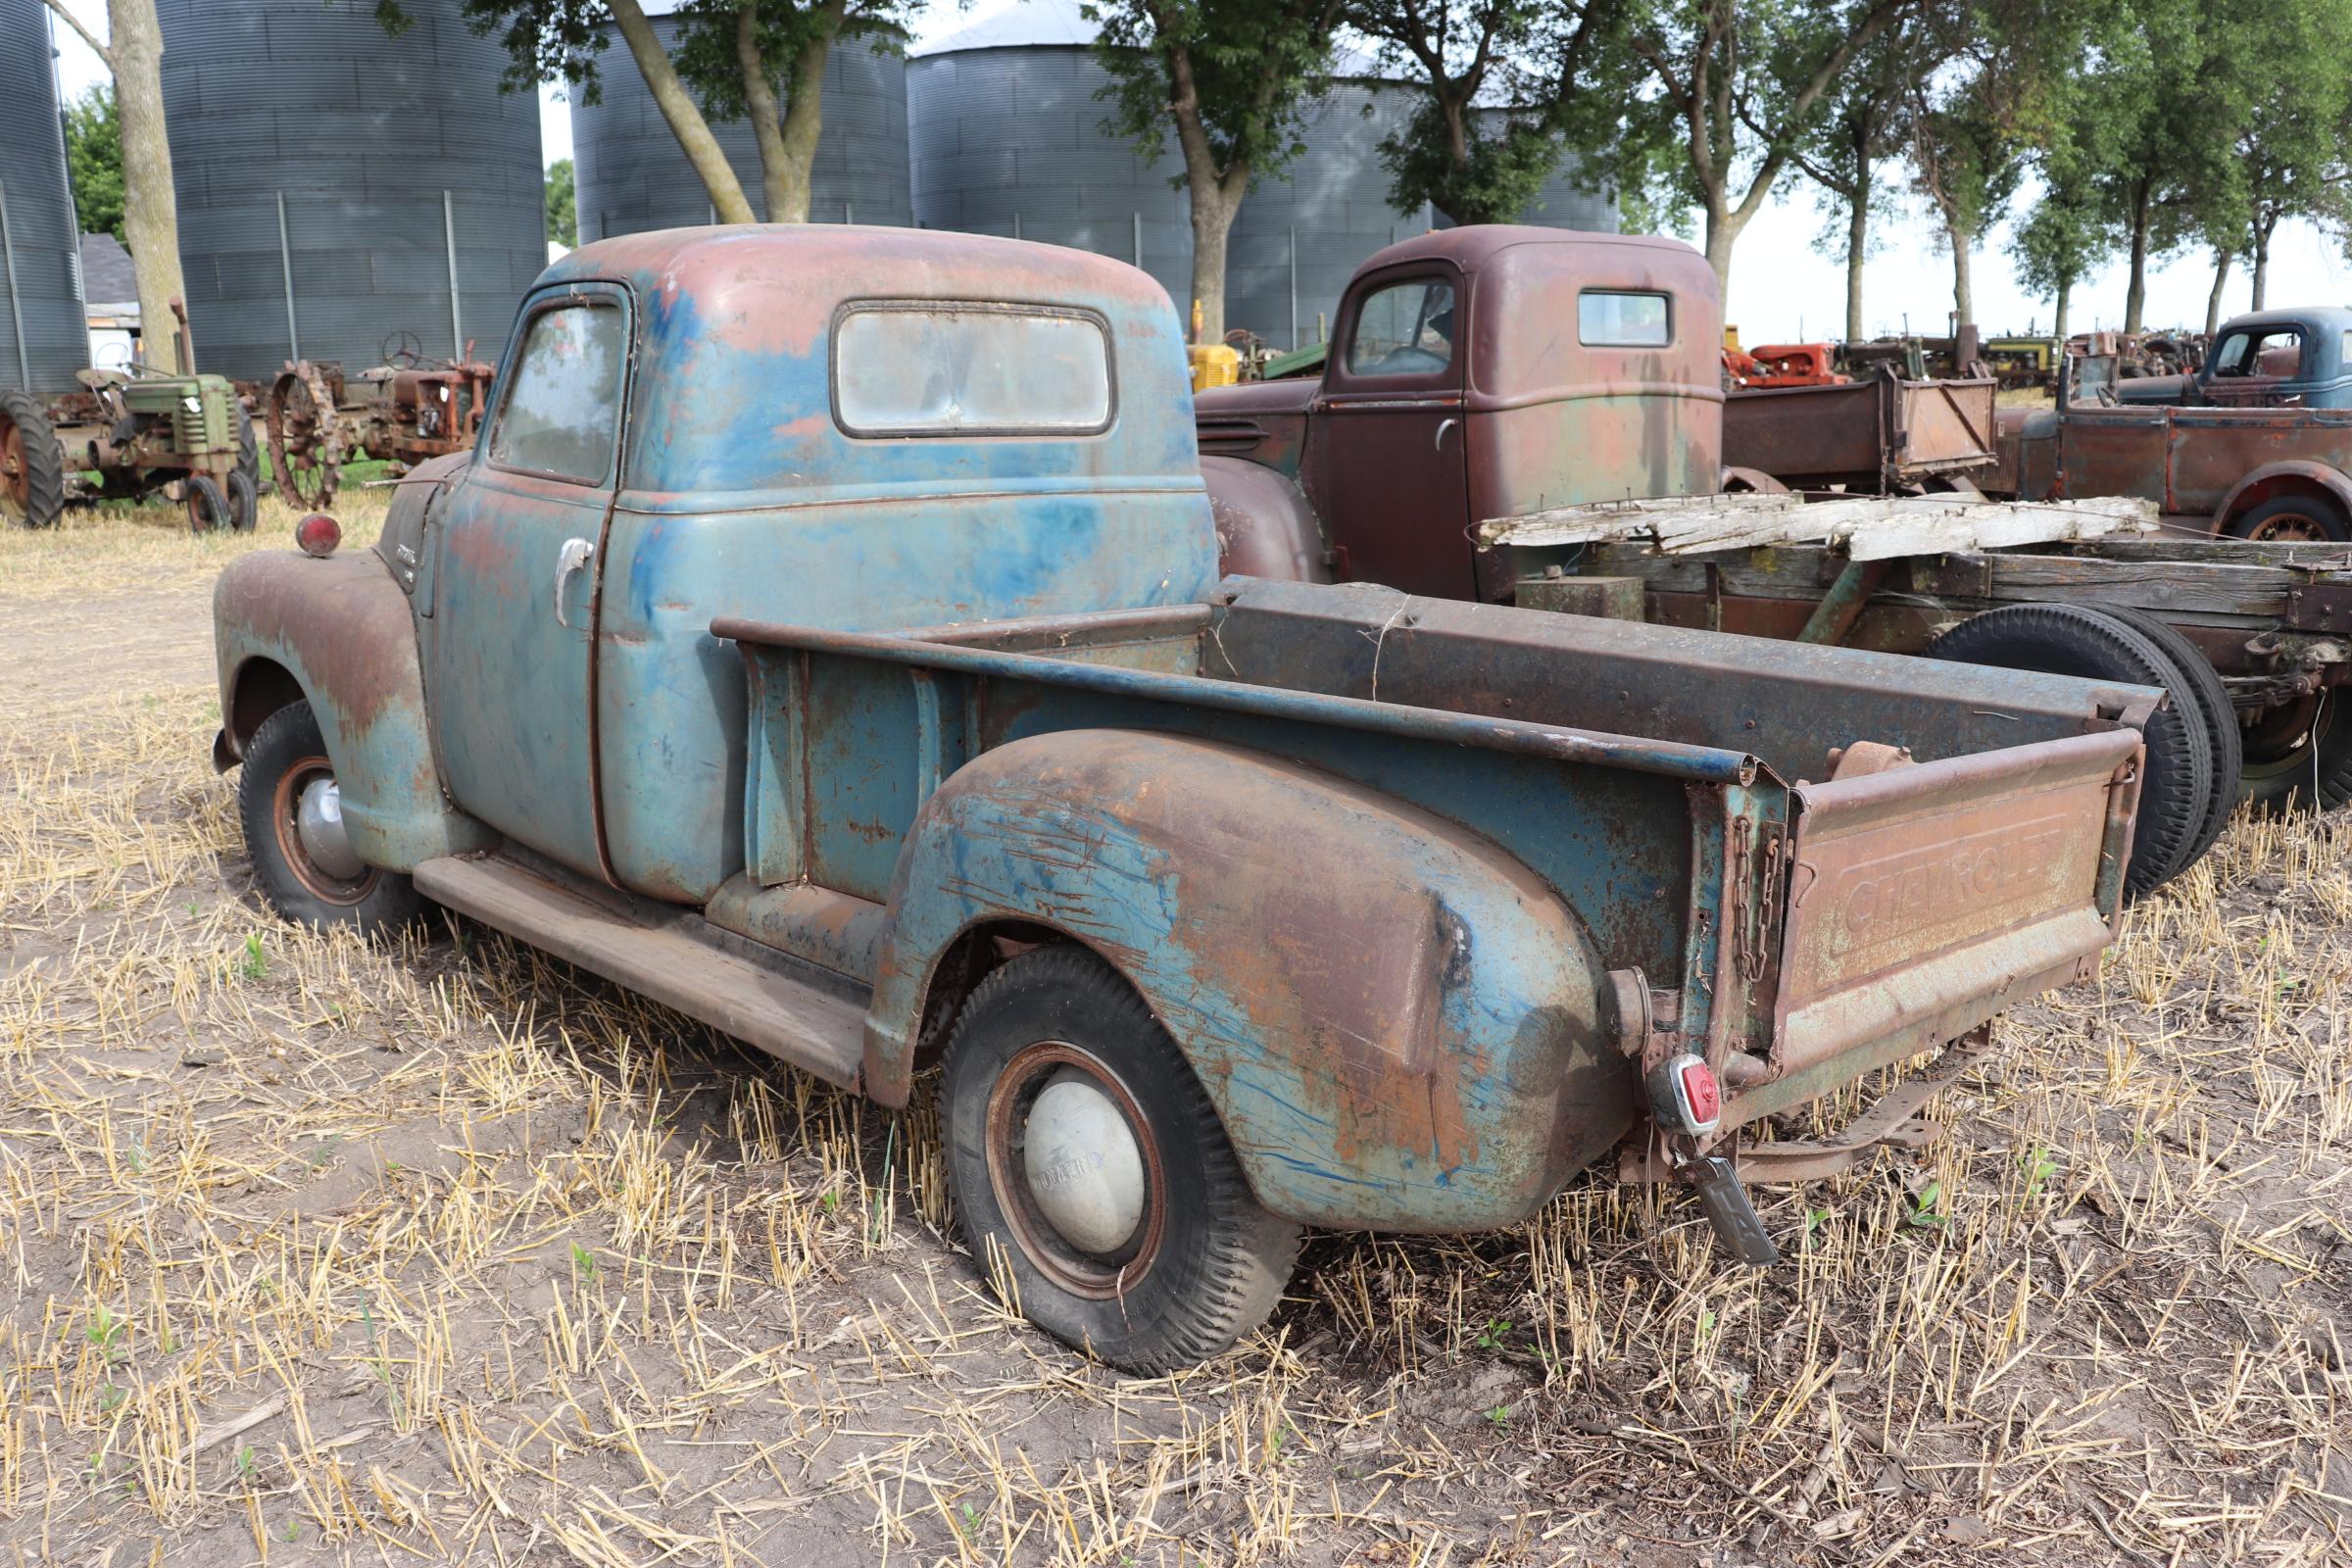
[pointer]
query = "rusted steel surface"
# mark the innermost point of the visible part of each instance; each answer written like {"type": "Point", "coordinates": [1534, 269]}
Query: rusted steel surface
{"type": "Point", "coordinates": [1878, 434]}
{"type": "Point", "coordinates": [409, 411]}
{"type": "Point", "coordinates": [306, 432]}
{"type": "Point", "coordinates": [1398, 463]}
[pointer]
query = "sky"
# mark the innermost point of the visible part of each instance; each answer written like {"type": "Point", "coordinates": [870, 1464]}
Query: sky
{"type": "Point", "coordinates": [1783, 286]}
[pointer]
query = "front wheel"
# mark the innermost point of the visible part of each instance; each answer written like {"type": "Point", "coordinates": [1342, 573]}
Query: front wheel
{"type": "Point", "coordinates": [1092, 1176]}
{"type": "Point", "coordinates": [293, 816]}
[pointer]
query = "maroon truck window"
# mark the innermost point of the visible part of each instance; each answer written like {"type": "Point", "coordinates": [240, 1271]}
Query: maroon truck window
{"type": "Point", "coordinates": [1623, 318]}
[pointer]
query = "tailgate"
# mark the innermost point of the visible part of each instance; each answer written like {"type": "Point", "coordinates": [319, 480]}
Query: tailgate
{"type": "Point", "coordinates": [1923, 899]}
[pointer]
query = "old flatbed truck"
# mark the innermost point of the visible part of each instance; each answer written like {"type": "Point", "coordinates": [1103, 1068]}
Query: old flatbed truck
{"type": "Point", "coordinates": [824, 638]}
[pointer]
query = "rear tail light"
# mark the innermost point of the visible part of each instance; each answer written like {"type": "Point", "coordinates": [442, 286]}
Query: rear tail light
{"type": "Point", "coordinates": [1684, 1096]}
{"type": "Point", "coordinates": [318, 534]}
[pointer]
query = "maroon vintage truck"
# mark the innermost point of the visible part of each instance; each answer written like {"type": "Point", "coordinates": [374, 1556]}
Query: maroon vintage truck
{"type": "Point", "coordinates": [1493, 373]}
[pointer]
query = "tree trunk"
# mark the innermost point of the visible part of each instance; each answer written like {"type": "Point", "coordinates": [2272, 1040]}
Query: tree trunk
{"type": "Point", "coordinates": [1213, 226]}
{"type": "Point", "coordinates": [2066, 286]}
{"type": "Point", "coordinates": [2212, 301]}
{"type": "Point", "coordinates": [1964, 297]}
{"type": "Point", "coordinates": [1723, 232]}
{"type": "Point", "coordinates": [149, 208]}
{"type": "Point", "coordinates": [2262, 259]}
{"type": "Point", "coordinates": [678, 108]}
{"type": "Point", "coordinates": [2135, 298]}
{"type": "Point", "coordinates": [804, 121]}
{"type": "Point", "coordinates": [1858, 244]}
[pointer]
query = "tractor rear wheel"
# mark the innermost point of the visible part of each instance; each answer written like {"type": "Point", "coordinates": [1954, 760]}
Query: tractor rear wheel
{"type": "Point", "coordinates": [32, 465]}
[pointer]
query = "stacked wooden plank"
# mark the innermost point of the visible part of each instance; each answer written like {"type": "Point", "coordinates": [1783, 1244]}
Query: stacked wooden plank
{"type": "Point", "coordinates": [1863, 527]}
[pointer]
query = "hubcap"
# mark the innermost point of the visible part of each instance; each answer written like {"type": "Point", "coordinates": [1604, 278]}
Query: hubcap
{"type": "Point", "coordinates": [1075, 1167]}
{"type": "Point", "coordinates": [1084, 1166]}
{"type": "Point", "coordinates": [318, 823]}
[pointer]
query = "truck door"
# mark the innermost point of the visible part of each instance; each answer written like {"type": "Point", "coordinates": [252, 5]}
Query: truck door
{"type": "Point", "coordinates": [515, 578]}
{"type": "Point", "coordinates": [1391, 475]}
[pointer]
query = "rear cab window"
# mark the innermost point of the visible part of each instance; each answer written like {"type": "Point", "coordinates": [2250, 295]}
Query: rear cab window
{"type": "Point", "coordinates": [937, 369]}
{"type": "Point", "coordinates": [561, 409]}
{"type": "Point", "coordinates": [1624, 319]}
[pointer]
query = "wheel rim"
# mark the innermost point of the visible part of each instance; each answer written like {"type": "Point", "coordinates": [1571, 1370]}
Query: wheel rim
{"type": "Point", "coordinates": [2282, 739]}
{"type": "Point", "coordinates": [1081, 1098]}
{"type": "Point", "coordinates": [203, 515]}
{"type": "Point", "coordinates": [295, 785]}
{"type": "Point", "coordinates": [15, 475]}
{"type": "Point", "coordinates": [306, 442]}
{"type": "Point", "coordinates": [2291, 528]}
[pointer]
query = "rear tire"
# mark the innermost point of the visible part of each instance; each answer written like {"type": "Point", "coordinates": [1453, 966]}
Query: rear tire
{"type": "Point", "coordinates": [2286, 518]}
{"type": "Point", "coordinates": [2176, 790]}
{"type": "Point", "coordinates": [2204, 683]}
{"type": "Point", "coordinates": [32, 464]}
{"type": "Point", "coordinates": [1198, 1262]}
{"type": "Point", "coordinates": [284, 758]}
{"type": "Point", "coordinates": [2299, 755]}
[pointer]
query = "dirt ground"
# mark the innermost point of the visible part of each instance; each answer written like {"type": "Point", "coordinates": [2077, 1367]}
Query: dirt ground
{"type": "Point", "coordinates": [314, 1252]}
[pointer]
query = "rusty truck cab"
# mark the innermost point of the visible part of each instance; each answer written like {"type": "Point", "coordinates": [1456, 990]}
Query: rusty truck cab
{"type": "Point", "coordinates": [1473, 373]}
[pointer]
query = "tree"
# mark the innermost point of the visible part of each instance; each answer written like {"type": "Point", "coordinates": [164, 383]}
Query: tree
{"type": "Point", "coordinates": [1861, 128]}
{"type": "Point", "coordinates": [1743, 82]}
{"type": "Point", "coordinates": [1231, 76]}
{"type": "Point", "coordinates": [2174, 132]}
{"type": "Point", "coordinates": [150, 225]}
{"type": "Point", "coordinates": [1505, 88]}
{"type": "Point", "coordinates": [94, 161]}
{"type": "Point", "coordinates": [2067, 233]}
{"type": "Point", "coordinates": [725, 63]}
{"type": "Point", "coordinates": [563, 205]}
{"type": "Point", "coordinates": [2290, 148]}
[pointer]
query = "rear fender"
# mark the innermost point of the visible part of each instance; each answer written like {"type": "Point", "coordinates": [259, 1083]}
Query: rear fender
{"type": "Point", "coordinates": [338, 633]}
{"type": "Point", "coordinates": [2293, 476]}
{"type": "Point", "coordinates": [1265, 525]}
{"type": "Point", "coordinates": [1400, 1025]}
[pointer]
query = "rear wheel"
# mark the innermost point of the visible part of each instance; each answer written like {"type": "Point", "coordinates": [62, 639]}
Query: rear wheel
{"type": "Point", "coordinates": [2176, 790]}
{"type": "Point", "coordinates": [1092, 1176]}
{"type": "Point", "coordinates": [2299, 755]}
{"type": "Point", "coordinates": [2220, 715]}
{"type": "Point", "coordinates": [2288, 519]}
{"type": "Point", "coordinates": [32, 465]}
{"type": "Point", "coordinates": [292, 809]}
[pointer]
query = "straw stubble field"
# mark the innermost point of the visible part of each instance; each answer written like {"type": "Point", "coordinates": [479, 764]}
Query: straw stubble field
{"type": "Point", "coordinates": [312, 1252]}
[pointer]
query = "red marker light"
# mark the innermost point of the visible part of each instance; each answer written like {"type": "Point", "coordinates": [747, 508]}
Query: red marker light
{"type": "Point", "coordinates": [318, 534]}
{"type": "Point", "coordinates": [1684, 1096]}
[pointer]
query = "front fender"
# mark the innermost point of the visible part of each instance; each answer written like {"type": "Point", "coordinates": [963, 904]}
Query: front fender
{"type": "Point", "coordinates": [2275, 478]}
{"type": "Point", "coordinates": [1400, 1025]}
{"type": "Point", "coordinates": [1266, 526]}
{"type": "Point", "coordinates": [341, 630]}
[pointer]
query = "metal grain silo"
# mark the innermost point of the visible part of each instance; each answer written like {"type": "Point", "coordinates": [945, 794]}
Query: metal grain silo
{"type": "Point", "coordinates": [1008, 138]}
{"type": "Point", "coordinates": [44, 334]}
{"type": "Point", "coordinates": [632, 176]}
{"type": "Point", "coordinates": [339, 187]}
{"type": "Point", "coordinates": [1304, 232]}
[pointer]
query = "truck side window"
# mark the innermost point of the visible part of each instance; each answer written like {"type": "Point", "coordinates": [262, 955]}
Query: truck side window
{"type": "Point", "coordinates": [563, 403]}
{"type": "Point", "coordinates": [2275, 353]}
{"type": "Point", "coordinates": [1405, 329]}
{"type": "Point", "coordinates": [1616, 318]}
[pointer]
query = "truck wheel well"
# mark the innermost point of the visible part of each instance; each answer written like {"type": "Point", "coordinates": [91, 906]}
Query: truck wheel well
{"type": "Point", "coordinates": [262, 687]}
{"type": "Point", "coordinates": [2277, 485]}
{"type": "Point", "coordinates": [968, 961]}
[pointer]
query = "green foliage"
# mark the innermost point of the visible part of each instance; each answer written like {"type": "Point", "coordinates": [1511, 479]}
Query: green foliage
{"type": "Point", "coordinates": [562, 204]}
{"type": "Point", "coordinates": [94, 160]}
{"type": "Point", "coordinates": [1240, 70]}
{"type": "Point", "coordinates": [706, 55]}
{"type": "Point", "coordinates": [1507, 88]}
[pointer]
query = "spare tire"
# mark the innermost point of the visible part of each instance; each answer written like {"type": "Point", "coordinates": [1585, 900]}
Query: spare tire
{"type": "Point", "coordinates": [2176, 790]}
{"type": "Point", "coordinates": [2204, 682]}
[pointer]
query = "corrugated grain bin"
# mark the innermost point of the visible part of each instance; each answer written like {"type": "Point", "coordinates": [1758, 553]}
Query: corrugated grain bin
{"type": "Point", "coordinates": [634, 176]}
{"type": "Point", "coordinates": [332, 180]}
{"type": "Point", "coordinates": [44, 332]}
{"type": "Point", "coordinates": [1008, 138]}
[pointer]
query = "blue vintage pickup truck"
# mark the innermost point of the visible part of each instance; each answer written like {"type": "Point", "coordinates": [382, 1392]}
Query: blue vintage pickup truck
{"type": "Point", "coordinates": [824, 639]}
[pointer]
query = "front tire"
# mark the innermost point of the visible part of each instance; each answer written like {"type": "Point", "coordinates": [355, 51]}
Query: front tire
{"type": "Point", "coordinates": [1092, 1175]}
{"type": "Point", "coordinates": [303, 877]}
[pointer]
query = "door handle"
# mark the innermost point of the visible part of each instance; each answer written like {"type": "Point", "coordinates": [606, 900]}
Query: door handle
{"type": "Point", "coordinates": [1444, 425]}
{"type": "Point", "coordinates": [570, 561]}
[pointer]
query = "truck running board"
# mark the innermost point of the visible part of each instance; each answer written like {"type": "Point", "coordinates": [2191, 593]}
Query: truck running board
{"type": "Point", "coordinates": [683, 963]}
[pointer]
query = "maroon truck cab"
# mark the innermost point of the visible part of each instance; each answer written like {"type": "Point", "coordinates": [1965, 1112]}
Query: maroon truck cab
{"type": "Point", "coordinates": [1474, 373]}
